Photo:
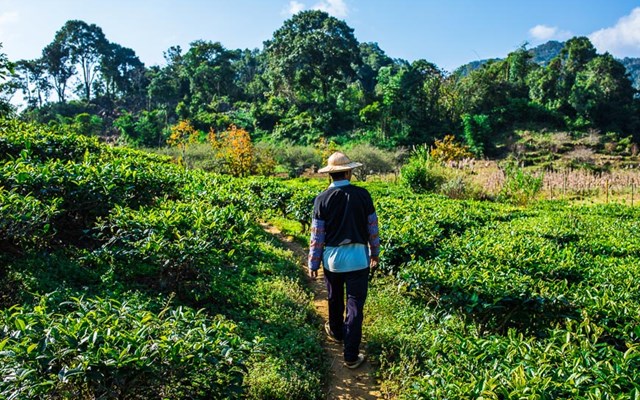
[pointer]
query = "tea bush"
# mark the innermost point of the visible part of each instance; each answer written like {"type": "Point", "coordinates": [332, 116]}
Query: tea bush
{"type": "Point", "coordinates": [97, 348]}
{"type": "Point", "coordinates": [177, 241]}
{"type": "Point", "coordinates": [482, 300]}
{"type": "Point", "coordinates": [96, 225]}
{"type": "Point", "coordinates": [506, 302]}
{"type": "Point", "coordinates": [422, 174]}
{"type": "Point", "coordinates": [87, 190]}
{"type": "Point", "coordinates": [24, 220]}
{"type": "Point", "coordinates": [17, 137]}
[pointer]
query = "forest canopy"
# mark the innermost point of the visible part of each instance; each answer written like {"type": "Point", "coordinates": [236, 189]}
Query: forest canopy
{"type": "Point", "coordinates": [313, 80]}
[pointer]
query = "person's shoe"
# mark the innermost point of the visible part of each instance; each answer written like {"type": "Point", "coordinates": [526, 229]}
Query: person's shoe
{"type": "Point", "coordinates": [330, 334]}
{"type": "Point", "coordinates": [355, 364]}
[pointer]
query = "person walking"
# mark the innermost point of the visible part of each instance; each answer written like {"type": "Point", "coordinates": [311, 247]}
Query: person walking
{"type": "Point", "coordinates": [344, 238]}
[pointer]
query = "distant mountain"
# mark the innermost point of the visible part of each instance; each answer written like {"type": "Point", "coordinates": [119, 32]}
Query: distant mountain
{"type": "Point", "coordinates": [473, 65]}
{"type": "Point", "coordinates": [633, 68]}
{"type": "Point", "coordinates": [545, 52]}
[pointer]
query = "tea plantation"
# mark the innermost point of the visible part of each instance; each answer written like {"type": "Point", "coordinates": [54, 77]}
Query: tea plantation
{"type": "Point", "coordinates": [122, 275]}
{"type": "Point", "coordinates": [495, 302]}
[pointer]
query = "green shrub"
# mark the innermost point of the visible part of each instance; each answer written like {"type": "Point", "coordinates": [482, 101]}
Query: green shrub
{"type": "Point", "coordinates": [477, 132]}
{"type": "Point", "coordinates": [270, 194]}
{"type": "Point", "coordinates": [296, 159]}
{"type": "Point", "coordinates": [175, 247]}
{"type": "Point", "coordinates": [104, 348]}
{"type": "Point", "coordinates": [41, 143]}
{"type": "Point", "coordinates": [113, 223]}
{"type": "Point", "coordinates": [414, 176]}
{"type": "Point", "coordinates": [300, 207]}
{"type": "Point", "coordinates": [26, 221]}
{"type": "Point", "coordinates": [88, 190]}
{"type": "Point", "coordinates": [374, 160]}
{"type": "Point", "coordinates": [533, 302]}
{"type": "Point", "coordinates": [145, 130]}
{"type": "Point", "coordinates": [408, 233]}
{"type": "Point", "coordinates": [292, 365]}
{"type": "Point", "coordinates": [519, 187]}
{"type": "Point", "coordinates": [275, 378]}
{"type": "Point", "coordinates": [421, 174]}
{"type": "Point", "coordinates": [421, 177]}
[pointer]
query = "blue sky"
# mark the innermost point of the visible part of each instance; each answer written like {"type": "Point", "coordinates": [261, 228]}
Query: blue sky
{"type": "Point", "coordinates": [448, 33]}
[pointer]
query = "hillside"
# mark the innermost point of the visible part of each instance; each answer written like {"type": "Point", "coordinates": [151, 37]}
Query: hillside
{"type": "Point", "coordinates": [296, 90]}
{"type": "Point", "coordinates": [633, 68]}
{"type": "Point", "coordinates": [545, 52]}
{"type": "Point", "coordinates": [123, 275]}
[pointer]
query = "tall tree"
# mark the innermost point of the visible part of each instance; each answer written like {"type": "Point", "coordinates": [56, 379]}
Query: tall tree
{"type": "Point", "coordinates": [57, 61]}
{"type": "Point", "coordinates": [311, 55]}
{"type": "Point", "coordinates": [519, 64]}
{"type": "Point", "coordinates": [6, 70]}
{"type": "Point", "coordinates": [249, 69]}
{"type": "Point", "coordinates": [392, 107]}
{"type": "Point", "coordinates": [428, 79]}
{"type": "Point", "coordinates": [207, 66]}
{"type": "Point", "coordinates": [32, 80]}
{"type": "Point", "coordinates": [310, 61]}
{"type": "Point", "coordinates": [543, 83]}
{"type": "Point", "coordinates": [86, 45]}
{"type": "Point", "coordinates": [373, 58]}
{"type": "Point", "coordinates": [602, 93]}
{"type": "Point", "coordinates": [6, 67]}
{"type": "Point", "coordinates": [122, 72]}
{"type": "Point", "coordinates": [410, 107]}
{"type": "Point", "coordinates": [166, 88]}
{"type": "Point", "coordinates": [552, 85]}
{"type": "Point", "coordinates": [499, 90]}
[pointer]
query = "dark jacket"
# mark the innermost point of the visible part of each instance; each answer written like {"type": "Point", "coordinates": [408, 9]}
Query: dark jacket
{"type": "Point", "coordinates": [345, 211]}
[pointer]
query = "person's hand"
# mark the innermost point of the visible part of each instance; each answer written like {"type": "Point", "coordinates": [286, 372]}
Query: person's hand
{"type": "Point", "coordinates": [373, 263]}
{"type": "Point", "coordinates": [313, 274]}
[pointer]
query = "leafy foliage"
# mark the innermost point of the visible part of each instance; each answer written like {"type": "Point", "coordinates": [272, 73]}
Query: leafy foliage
{"type": "Point", "coordinates": [477, 130]}
{"type": "Point", "coordinates": [448, 150]}
{"type": "Point", "coordinates": [519, 186]}
{"type": "Point", "coordinates": [235, 149]}
{"type": "Point", "coordinates": [491, 301]}
{"type": "Point", "coordinates": [90, 348]}
{"type": "Point", "coordinates": [313, 79]}
{"type": "Point", "coordinates": [24, 220]}
{"type": "Point", "coordinates": [86, 226]}
{"type": "Point", "coordinates": [420, 173]}
{"type": "Point", "coordinates": [374, 161]}
{"type": "Point", "coordinates": [182, 134]}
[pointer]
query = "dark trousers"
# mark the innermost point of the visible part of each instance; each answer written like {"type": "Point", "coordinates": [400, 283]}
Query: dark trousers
{"type": "Point", "coordinates": [348, 329]}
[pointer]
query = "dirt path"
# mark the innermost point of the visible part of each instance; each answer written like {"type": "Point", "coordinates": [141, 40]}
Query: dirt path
{"type": "Point", "coordinates": [344, 383]}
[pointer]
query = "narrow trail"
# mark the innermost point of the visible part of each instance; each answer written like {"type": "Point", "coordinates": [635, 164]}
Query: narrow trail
{"type": "Point", "coordinates": [343, 383]}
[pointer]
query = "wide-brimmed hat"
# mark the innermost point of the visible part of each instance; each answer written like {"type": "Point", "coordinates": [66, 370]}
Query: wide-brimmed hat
{"type": "Point", "coordinates": [339, 161]}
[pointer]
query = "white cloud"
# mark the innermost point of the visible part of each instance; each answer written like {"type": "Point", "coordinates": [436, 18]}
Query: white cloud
{"type": "Point", "coordinates": [622, 39]}
{"type": "Point", "coordinates": [295, 7]}
{"type": "Point", "coordinates": [544, 33]}
{"type": "Point", "coordinates": [337, 8]}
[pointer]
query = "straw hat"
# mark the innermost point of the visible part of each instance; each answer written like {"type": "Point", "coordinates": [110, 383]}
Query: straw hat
{"type": "Point", "coordinates": [339, 162]}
